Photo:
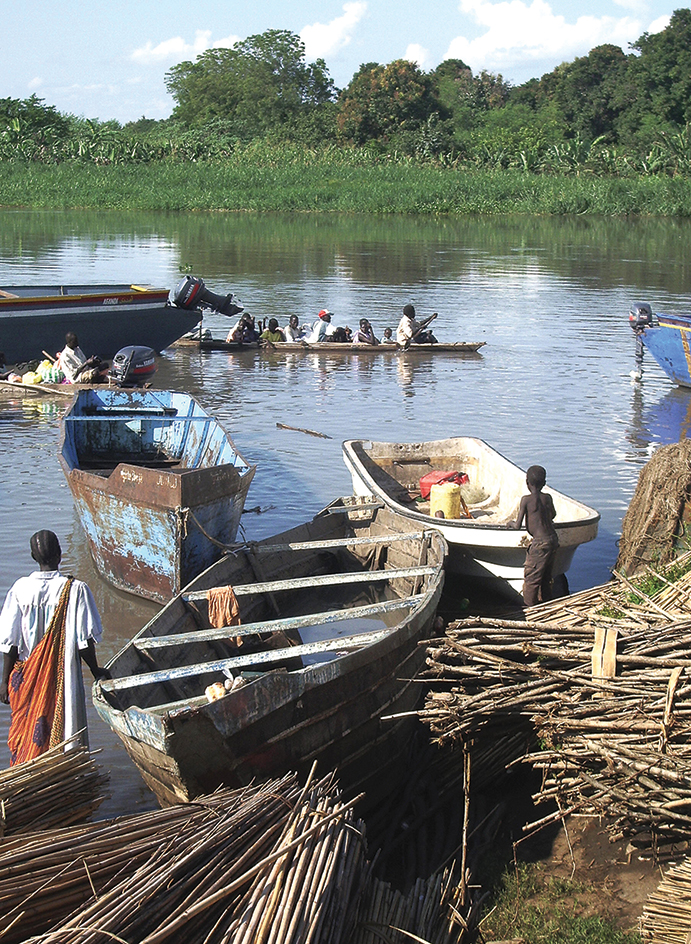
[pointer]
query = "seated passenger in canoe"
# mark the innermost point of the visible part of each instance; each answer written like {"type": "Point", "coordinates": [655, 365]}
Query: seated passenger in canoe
{"type": "Point", "coordinates": [294, 331]}
{"type": "Point", "coordinates": [387, 336]}
{"type": "Point", "coordinates": [244, 332]}
{"type": "Point", "coordinates": [365, 333]}
{"type": "Point", "coordinates": [77, 367]}
{"type": "Point", "coordinates": [322, 329]}
{"type": "Point", "coordinates": [411, 331]}
{"type": "Point", "coordinates": [273, 333]}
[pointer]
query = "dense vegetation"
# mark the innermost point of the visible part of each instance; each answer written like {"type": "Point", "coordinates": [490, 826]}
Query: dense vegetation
{"type": "Point", "coordinates": [258, 115]}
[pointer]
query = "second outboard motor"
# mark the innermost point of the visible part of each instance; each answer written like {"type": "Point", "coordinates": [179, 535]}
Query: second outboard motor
{"type": "Point", "coordinates": [641, 316]}
{"type": "Point", "coordinates": [133, 366]}
{"type": "Point", "coordinates": [191, 293]}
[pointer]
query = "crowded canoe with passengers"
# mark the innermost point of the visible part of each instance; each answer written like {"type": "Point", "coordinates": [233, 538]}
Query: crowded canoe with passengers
{"type": "Point", "coordinates": [408, 331]}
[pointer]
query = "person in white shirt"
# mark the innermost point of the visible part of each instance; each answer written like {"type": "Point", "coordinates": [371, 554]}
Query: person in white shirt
{"type": "Point", "coordinates": [77, 367]}
{"type": "Point", "coordinates": [49, 623]}
{"type": "Point", "coordinates": [411, 331]}
{"type": "Point", "coordinates": [294, 331]}
{"type": "Point", "coordinates": [322, 329]}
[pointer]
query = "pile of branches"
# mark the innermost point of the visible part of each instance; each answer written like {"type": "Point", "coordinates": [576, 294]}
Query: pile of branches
{"type": "Point", "coordinates": [59, 788]}
{"type": "Point", "coordinates": [274, 862]}
{"type": "Point", "coordinates": [607, 699]}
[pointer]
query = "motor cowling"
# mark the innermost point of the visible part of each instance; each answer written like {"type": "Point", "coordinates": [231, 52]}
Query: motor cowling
{"type": "Point", "coordinates": [191, 293]}
{"type": "Point", "coordinates": [641, 316]}
{"type": "Point", "coordinates": [133, 366]}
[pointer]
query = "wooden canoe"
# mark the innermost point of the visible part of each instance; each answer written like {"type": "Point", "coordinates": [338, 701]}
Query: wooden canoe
{"type": "Point", "coordinates": [483, 546]}
{"type": "Point", "coordinates": [331, 616]}
{"type": "Point", "coordinates": [158, 484]}
{"type": "Point", "coordinates": [335, 347]}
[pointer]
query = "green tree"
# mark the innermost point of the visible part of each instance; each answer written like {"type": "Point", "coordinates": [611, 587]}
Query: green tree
{"type": "Point", "coordinates": [391, 104]}
{"type": "Point", "coordinates": [662, 73]}
{"type": "Point", "coordinates": [31, 115]}
{"type": "Point", "coordinates": [588, 95]}
{"type": "Point", "coordinates": [254, 87]}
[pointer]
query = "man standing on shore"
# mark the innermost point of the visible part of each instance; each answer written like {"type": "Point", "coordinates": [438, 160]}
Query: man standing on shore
{"type": "Point", "coordinates": [48, 624]}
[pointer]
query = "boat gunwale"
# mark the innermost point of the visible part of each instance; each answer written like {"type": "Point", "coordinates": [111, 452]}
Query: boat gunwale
{"type": "Point", "coordinates": [350, 446]}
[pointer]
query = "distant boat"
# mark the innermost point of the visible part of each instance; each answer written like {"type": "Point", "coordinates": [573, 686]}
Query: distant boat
{"type": "Point", "coordinates": [338, 347]}
{"type": "Point", "coordinates": [158, 485]}
{"type": "Point", "coordinates": [332, 614]}
{"type": "Point", "coordinates": [105, 319]}
{"type": "Point", "coordinates": [667, 337]}
{"type": "Point", "coordinates": [482, 546]}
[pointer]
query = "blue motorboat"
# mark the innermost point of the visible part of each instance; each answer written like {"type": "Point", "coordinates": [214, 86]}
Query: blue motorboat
{"type": "Point", "coordinates": [158, 484]}
{"type": "Point", "coordinates": [667, 337]}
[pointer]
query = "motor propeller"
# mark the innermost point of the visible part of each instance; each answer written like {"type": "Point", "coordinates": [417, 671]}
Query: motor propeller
{"type": "Point", "coordinates": [191, 293]}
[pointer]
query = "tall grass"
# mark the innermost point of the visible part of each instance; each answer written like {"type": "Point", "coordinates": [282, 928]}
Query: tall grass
{"type": "Point", "coordinates": [272, 179]}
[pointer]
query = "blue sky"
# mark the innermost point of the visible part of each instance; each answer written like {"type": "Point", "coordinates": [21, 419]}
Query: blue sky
{"type": "Point", "coordinates": [106, 59]}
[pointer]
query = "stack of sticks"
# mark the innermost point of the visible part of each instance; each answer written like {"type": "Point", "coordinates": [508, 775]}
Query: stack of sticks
{"type": "Point", "coordinates": [666, 917]}
{"type": "Point", "coordinates": [60, 787]}
{"type": "Point", "coordinates": [427, 912]}
{"type": "Point", "coordinates": [602, 681]}
{"type": "Point", "coordinates": [270, 863]}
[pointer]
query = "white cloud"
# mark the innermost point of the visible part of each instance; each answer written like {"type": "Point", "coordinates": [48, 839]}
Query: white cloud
{"type": "Point", "coordinates": [36, 82]}
{"type": "Point", "coordinates": [662, 22]}
{"type": "Point", "coordinates": [325, 39]}
{"type": "Point", "coordinates": [177, 49]}
{"type": "Point", "coordinates": [517, 32]}
{"type": "Point", "coordinates": [417, 54]}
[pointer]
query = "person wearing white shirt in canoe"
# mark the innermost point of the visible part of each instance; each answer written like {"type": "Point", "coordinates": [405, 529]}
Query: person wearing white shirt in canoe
{"type": "Point", "coordinates": [77, 367]}
{"type": "Point", "coordinates": [294, 331]}
{"type": "Point", "coordinates": [322, 329]}
{"type": "Point", "coordinates": [410, 331]}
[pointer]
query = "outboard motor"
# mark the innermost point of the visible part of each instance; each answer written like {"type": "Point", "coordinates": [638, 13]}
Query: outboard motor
{"type": "Point", "coordinates": [133, 366]}
{"type": "Point", "coordinates": [641, 316]}
{"type": "Point", "coordinates": [191, 293]}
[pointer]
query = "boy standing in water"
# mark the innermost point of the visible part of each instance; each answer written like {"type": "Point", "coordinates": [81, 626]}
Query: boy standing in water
{"type": "Point", "coordinates": [538, 511]}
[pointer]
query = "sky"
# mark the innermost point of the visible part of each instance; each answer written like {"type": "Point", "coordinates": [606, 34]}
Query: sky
{"type": "Point", "coordinates": [107, 59]}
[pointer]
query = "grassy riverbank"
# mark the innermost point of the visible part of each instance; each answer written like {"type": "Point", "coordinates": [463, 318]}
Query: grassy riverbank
{"type": "Point", "coordinates": [305, 182]}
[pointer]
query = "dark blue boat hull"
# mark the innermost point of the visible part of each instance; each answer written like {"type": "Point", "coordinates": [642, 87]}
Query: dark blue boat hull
{"type": "Point", "coordinates": [105, 319]}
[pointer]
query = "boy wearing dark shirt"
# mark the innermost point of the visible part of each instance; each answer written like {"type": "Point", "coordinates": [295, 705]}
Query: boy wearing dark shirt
{"type": "Point", "coordinates": [538, 511]}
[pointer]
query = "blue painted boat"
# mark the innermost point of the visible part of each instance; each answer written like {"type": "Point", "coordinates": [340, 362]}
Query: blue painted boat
{"type": "Point", "coordinates": [667, 337]}
{"type": "Point", "coordinates": [158, 484]}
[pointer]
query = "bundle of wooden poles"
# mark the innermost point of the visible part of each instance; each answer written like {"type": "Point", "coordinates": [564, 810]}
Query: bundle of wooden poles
{"type": "Point", "coordinates": [58, 788]}
{"type": "Point", "coordinates": [602, 683]}
{"type": "Point", "coordinates": [666, 917]}
{"type": "Point", "coordinates": [271, 863]}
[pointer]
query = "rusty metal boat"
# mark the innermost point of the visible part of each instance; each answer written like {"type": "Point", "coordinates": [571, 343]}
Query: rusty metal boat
{"type": "Point", "coordinates": [158, 484]}
{"type": "Point", "coordinates": [331, 615]}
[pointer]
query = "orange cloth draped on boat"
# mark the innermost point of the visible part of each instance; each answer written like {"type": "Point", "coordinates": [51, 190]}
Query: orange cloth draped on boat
{"type": "Point", "coordinates": [37, 692]}
{"type": "Point", "coordinates": [224, 609]}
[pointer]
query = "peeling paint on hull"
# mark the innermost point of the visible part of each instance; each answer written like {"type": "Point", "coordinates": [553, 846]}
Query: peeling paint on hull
{"type": "Point", "coordinates": [158, 485]}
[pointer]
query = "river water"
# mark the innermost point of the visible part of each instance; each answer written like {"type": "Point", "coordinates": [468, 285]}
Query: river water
{"type": "Point", "coordinates": [552, 385]}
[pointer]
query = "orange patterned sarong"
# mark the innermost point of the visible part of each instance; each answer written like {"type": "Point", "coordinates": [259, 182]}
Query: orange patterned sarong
{"type": "Point", "coordinates": [37, 692]}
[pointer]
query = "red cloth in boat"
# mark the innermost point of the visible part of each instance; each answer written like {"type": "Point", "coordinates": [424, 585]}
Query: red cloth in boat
{"type": "Point", "coordinates": [224, 609]}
